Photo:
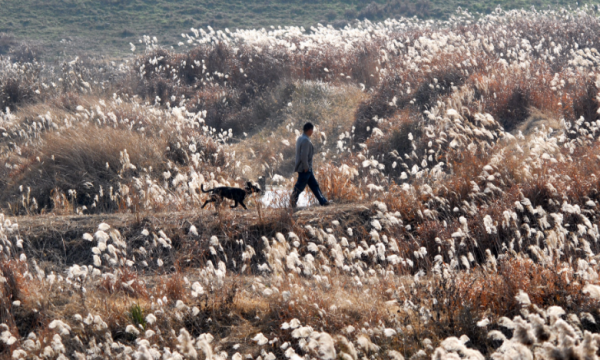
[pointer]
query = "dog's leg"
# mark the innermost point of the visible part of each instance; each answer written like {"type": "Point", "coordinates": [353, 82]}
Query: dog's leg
{"type": "Point", "coordinates": [235, 205]}
{"type": "Point", "coordinates": [244, 205]}
{"type": "Point", "coordinates": [213, 199]}
{"type": "Point", "coordinates": [216, 204]}
{"type": "Point", "coordinates": [220, 201]}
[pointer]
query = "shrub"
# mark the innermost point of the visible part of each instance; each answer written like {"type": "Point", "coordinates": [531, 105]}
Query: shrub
{"type": "Point", "coordinates": [350, 14]}
{"type": "Point", "coordinates": [372, 11]}
{"type": "Point", "coordinates": [68, 101]}
{"type": "Point", "coordinates": [15, 92]}
{"type": "Point", "coordinates": [25, 53]}
{"type": "Point", "coordinates": [7, 41]}
{"type": "Point", "coordinates": [586, 105]}
{"type": "Point", "coordinates": [395, 9]}
{"type": "Point", "coordinates": [515, 111]}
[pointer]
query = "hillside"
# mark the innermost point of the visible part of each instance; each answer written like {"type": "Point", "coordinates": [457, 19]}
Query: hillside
{"type": "Point", "coordinates": [461, 156]}
{"type": "Point", "coordinates": [108, 26]}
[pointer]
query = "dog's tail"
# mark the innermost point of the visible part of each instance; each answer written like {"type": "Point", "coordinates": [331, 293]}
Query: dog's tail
{"type": "Point", "coordinates": [207, 191]}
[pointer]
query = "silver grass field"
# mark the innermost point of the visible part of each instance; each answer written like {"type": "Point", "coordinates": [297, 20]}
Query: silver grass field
{"type": "Point", "coordinates": [462, 156]}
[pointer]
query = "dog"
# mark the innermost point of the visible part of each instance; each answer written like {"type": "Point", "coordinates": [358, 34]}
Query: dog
{"type": "Point", "coordinates": [236, 194]}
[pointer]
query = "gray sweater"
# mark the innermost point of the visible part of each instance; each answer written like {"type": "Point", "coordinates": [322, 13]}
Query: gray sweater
{"type": "Point", "coordinates": [304, 154]}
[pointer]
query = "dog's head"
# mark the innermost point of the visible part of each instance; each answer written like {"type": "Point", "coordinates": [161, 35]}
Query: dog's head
{"type": "Point", "coordinates": [251, 188]}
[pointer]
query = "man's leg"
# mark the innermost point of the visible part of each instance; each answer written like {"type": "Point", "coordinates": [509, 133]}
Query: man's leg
{"type": "Point", "coordinates": [299, 188]}
{"type": "Point", "coordinates": [314, 187]}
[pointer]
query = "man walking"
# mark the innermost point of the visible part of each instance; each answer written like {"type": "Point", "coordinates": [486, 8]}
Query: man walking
{"type": "Point", "coordinates": [304, 162]}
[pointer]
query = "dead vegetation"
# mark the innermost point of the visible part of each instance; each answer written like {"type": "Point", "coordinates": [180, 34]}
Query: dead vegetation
{"type": "Point", "coordinates": [461, 156]}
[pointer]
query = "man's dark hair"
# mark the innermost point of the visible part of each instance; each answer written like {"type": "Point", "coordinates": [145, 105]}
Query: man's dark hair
{"type": "Point", "coordinates": [308, 126]}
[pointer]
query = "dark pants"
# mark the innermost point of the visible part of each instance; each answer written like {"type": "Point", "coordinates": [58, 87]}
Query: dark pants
{"type": "Point", "coordinates": [307, 178]}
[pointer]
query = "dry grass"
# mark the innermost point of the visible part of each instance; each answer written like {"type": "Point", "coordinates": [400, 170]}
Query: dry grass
{"type": "Point", "coordinates": [330, 108]}
{"type": "Point", "coordinates": [79, 160]}
{"type": "Point", "coordinates": [337, 184]}
{"type": "Point", "coordinates": [466, 216]}
{"type": "Point", "coordinates": [239, 310]}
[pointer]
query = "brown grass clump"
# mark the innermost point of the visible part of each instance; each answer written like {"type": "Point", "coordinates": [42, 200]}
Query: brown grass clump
{"type": "Point", "coordinates": [13, 287]}
{"type": "Point", "coordinates": [408, 204]}
{"type": "Point", "coordinates": [172, 286]}
{"type": "Point", "coordinates": [126, 282]}
{"type": "Point", "coordinates": [83, 165]}
{"type": "Point", "coordinates": [337, 184]}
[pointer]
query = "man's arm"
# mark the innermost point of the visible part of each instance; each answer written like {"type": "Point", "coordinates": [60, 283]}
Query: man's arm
{"type": "Point", "coordinates": [304, 148]}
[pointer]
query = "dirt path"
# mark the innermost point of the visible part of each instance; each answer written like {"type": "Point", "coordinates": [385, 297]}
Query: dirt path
{"type": "Point", "coordinates": [66, 223]}
{"type": "Point", "coordinates": [59, 239]}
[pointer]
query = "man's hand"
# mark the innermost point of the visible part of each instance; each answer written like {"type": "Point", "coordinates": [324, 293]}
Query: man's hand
{"type": "Point", "coordinates": [305, 170]}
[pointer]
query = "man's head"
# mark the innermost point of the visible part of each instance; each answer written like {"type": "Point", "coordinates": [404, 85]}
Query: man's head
{"type": "Point", "coordinates": [308, 129]}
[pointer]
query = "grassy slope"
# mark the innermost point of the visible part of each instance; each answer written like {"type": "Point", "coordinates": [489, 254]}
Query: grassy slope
{"type": "Point", "coordinates": [109, 25]}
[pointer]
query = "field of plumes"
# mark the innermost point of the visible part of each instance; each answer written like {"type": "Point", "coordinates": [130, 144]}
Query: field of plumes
{"type": "Point", "coordinates": [462, 157]}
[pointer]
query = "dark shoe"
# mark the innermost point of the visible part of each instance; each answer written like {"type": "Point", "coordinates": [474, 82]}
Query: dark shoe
{"type": "Point", "coordinates": [327, 203]}
{"type": "Point", "coordinates": [294, 199]}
